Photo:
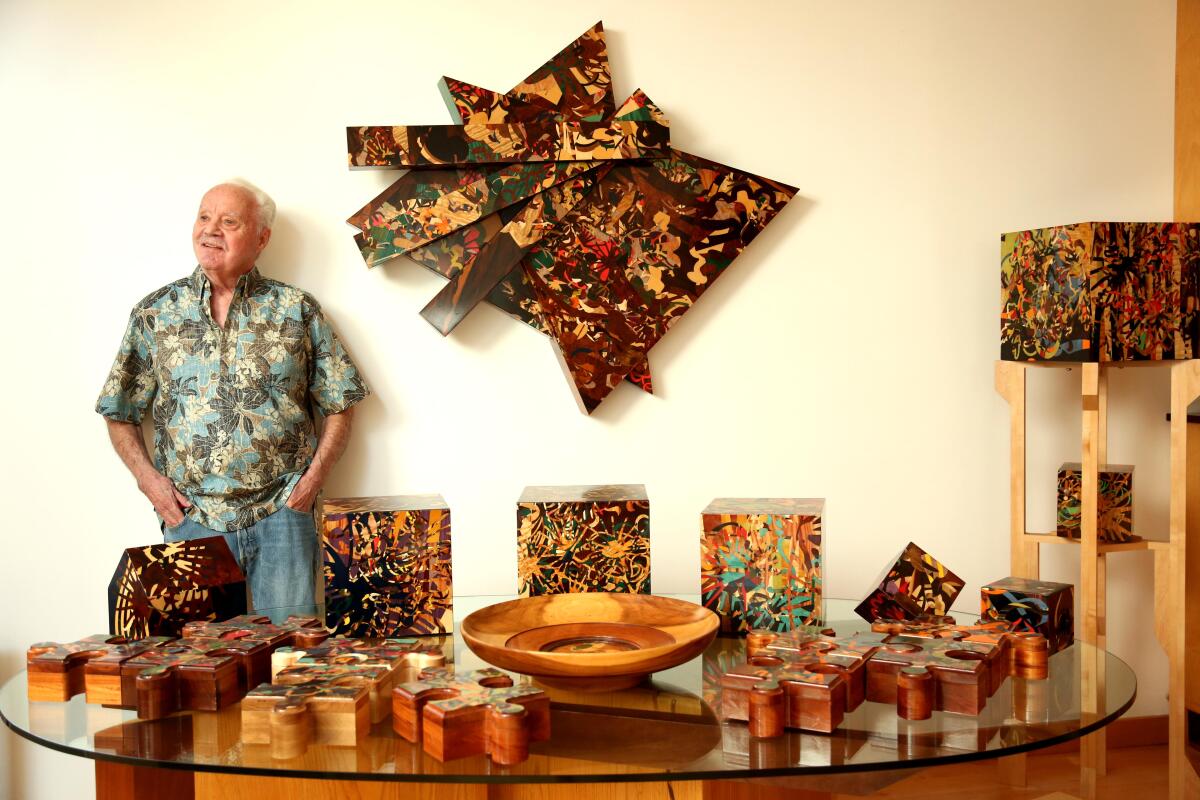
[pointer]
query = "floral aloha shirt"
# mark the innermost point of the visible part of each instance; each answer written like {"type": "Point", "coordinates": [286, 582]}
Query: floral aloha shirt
{"type": "Point", "coordinates": [233, 426]}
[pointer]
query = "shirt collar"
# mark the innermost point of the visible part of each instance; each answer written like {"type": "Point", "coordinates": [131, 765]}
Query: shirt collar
{"type": "Point", "coordinates": [245, 284]}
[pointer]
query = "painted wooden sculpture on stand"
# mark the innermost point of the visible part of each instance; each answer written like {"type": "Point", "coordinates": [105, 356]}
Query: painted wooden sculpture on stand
{"type": "Point", "coordinates": [387, 566]}
{"type": "Point", "coordinates": [915, 586]}
{"type": "Point", "coordinates": [760, 562]}
{"type": "Point", "coordinates": [1114, 499]}
{"type": "Point", "coordinates": [583, 539]}
{"type": "Point", "coordinates": [158, 588]}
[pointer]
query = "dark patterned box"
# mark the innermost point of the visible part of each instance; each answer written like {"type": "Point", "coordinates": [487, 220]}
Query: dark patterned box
{"type": "Point", "coordinates": [583, 539]}
{"type": "Point", "coordinates": [915, 586]}
{"type": "Point", "coordinates": [156, 589]}
{"type": "Point", "coordinates": [1032, 605]}
{"type": "Point", "coordinates": [760, 562]}
{"type": "Point", "coordinates": [387, 565]}
{"type": "Point", "coordinates": [1114, 498]}
{"type": "Point", "coordinates": [1100, 291]}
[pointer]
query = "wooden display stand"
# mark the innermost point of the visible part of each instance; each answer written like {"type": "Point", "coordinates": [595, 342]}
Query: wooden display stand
{"type": "Point", "coordinates": [1172, 622]}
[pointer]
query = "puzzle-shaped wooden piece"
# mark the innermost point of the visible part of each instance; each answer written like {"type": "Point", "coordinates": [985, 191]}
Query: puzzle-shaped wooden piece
{"type": "Point", "coordinates": [58, 672]}
{"type": "Point", "coordinates": [772, 693]}
{"type": "Point", "coordinates": [962, 671]}
{"type": "Point", "coordinates": [473, 713]}
{"type": "Point", "coordinates": [334, 709]}
{"type": "Point", "coordinates": [193, 674]}
{"type": "Point", "coordinates": [294, 632]}
{"type": "Point", "coordinates": [408, 654]}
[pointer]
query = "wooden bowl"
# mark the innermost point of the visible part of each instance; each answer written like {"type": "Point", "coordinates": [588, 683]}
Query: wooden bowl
{"type": "Point", "coordinates": [589, 641]}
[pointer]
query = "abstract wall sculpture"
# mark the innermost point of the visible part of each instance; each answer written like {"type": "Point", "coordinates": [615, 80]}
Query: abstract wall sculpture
{"type": "Point", "coordinates": [156, 589]}
{"type": "Point", "coordinates": [473, 713]}
{"type": "Point", "coordinates": [583, 539]}
{"type": "Point", "coordinates": [1031, 605]}
{"type": "Point", "coordinates": [808, 678]}
{"type": "Point", "coordinates": [1100, 291]}
{"type": "Point", "coordinates": [760, 562]}
{"type": "Point", "coordinates": [917, 585]}
{"type": "Point", "coordinates": [387, 565]}
{"type": "Point", "coordinates": [1114, 498]}
{"type": "Point", "coordinates": [571, 214]}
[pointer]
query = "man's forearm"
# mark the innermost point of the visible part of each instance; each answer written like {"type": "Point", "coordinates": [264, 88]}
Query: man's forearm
{"type": "Point", "coordinates": [130, 445]}
{"type": "Point", "coordinates": [335, 435]}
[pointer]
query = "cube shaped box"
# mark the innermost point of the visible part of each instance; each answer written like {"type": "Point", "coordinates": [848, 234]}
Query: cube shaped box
{"type": "Point", "coordinates": [387, 565]}
{"type": "Point", "coordinates": [1100, 291]}
{"type": "Point", "coordinates": [915, 586]}
{"type": "Point", "coordinates": [583, 539]}
{"type": "Point", "coordinates": [1032, 605]}
{"type": "Point", "coordinates": [157, 588]}
{"type": "Point", "coordinates": [760, 562]}
{"type": "Point", "coordinates": [1114, 500]}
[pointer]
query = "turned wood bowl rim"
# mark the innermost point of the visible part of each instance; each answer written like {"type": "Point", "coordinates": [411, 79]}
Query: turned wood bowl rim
{"type": "Point", "coordinates": [487, 635]}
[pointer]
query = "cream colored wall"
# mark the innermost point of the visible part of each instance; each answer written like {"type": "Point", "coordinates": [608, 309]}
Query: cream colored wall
{"type": "Point", "coordinates": [847, 355]}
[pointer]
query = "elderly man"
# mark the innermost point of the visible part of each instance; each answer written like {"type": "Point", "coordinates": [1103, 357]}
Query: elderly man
{"type": "Point", "coordinates": [231, 364]}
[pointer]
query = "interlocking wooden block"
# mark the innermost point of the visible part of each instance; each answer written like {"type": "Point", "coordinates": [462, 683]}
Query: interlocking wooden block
{"type": "Point", "coordinates": [387, 565]}
{"type": "Point", "coordinates": [821, 650]}
{"type": "Point", "coordinates": [915, 586]}
{"type": "Point", "coordinates": [773, 693]}
{"type": "Point", "coordinates": [1114, 500]}
{"type": "Point", "coordinates": [474, 713]}
{"type": "Point", "coordinates": [1032, 606]}
{"type": "Point", "coordinates": [156, 589]}
{"type": "Point", "coordinates": [193, 674]}
{"type": "Point", "coordinates": [383, 663]}
{"type": "Point", "coordinates": [58, 672]}
{"type": "Point", "coordinates": [583, 539]}
{"type": "Point", "coordinates": [1013, 645]}
{"type": "Point", "coordinates": [1100, 291]}
{"type": "Point", "coordinates": [760, 562]}
{"type": "Point", "coordinates": [294, 632]}
{"type": "Point", "coordinates": [962, 671]}
{"type": "Point", "coordinates": [332, 710]}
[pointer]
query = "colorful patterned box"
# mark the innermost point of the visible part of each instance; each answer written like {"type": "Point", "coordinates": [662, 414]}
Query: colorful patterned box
{"type": "Point", "coordinates": [158, 588]}
{"type": "Point", "coordinates": [1100, 291]}
{"type": "Point", "coordinates": [387, 565]}
{"type": "Point", "coordinates": [1031, 605]}
{"type": "Point", "coordinates": [915, 586]}
{"type": "Point", "coordinates": [1115, 498]}
{"type": "Point", "coordinates": [760, 562]}
{"type": "Point", "coordinates": [583, 539]}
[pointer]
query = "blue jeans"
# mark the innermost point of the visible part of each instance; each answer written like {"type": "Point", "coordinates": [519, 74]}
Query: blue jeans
{"type": "Point", "coordinates": [278, 556]}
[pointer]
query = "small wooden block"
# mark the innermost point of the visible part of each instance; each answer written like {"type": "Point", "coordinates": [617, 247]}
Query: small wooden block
{"type": "Point", "coordinates": [821, 650]}
{"type": "Point", "coordinates": [772, 693]}
{"type": "Point", "coordinates": [295, 632]}
{"type": "Point", "coordinates": [290, 717]}
{"type": "Point", "coordinates": [962, 671]}
{"type": "Point", "coordinates": [916, 585]}
{"type": "Point", "coordinates": [1114, 500]}
{"type": "Point", "coordinates": [479, 712]}
{"type": "Point", "coordinates": [212, 674]}
{"type": "Point", "coordinates": [1032, 606]}
{"type": "Point", "coordinates": [583, 539]}
{"type": "Point", "coordinates": [378, 679]}
{"type": "Point", "coordinates": [402, 654]}
{"type": "Point", "coordinates": [58, 672]}
{"type": "Point", "coordinates": [760, 562]}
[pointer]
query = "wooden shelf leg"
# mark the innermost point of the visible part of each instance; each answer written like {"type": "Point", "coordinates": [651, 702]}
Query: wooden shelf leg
{"type": "Point", "coordinates": [1010, 383]}
{"type": "Point", "coordinates": [1089, 577]}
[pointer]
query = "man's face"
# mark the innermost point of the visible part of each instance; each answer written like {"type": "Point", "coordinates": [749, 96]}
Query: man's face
{"type": "Point", "coordinates": [227, 237]}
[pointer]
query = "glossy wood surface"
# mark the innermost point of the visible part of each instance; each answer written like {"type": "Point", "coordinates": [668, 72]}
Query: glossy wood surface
{"type": "Point", "coordinates": [613, 639]}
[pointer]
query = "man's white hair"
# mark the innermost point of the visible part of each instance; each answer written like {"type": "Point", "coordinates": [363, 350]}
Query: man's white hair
{"type": "Point", "coordinates": [266, 206]}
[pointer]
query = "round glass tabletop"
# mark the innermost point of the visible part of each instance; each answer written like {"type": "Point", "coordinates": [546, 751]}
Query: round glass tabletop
{"type": "Point", "coordinates": [666, 729]}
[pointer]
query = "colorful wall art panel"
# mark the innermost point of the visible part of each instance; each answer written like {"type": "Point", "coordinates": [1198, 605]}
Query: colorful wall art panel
{"type": "Point", "coordinates": [387, 565]}
{"type": "Point", "coordinates": [760, 562]}
{"type": "Point", "coordinates": [1114, 501]}
{"type": "Point", "coordinates": [1100, 291]}
{"type": "Point", "coordinates": [570, 212]}
{"type": "Point", "coordinates": [917, 585]}
{"type": "Point", "coordinates": [583, 539]}
{"type": "Point", "coordinates": [157, 588]}
{"type": "Point", "coordinates": [1034, 606]}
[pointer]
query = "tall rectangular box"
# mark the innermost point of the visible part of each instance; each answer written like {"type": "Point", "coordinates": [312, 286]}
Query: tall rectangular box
{"type": "Point", "coordinates": [386, 562]}
{"type": "Point", "coordinates": [1100, 291]}
{"type": "Point", "coordinates": [583, 539]}
{"type": "Point", "coordinates": [1114, 500]}
{"type": "Point", "coordinates": [760, 562]}
{"type": "Point", "coordinates": [1032, 605]}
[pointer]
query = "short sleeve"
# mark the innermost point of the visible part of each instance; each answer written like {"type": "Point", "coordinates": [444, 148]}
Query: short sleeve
{"type": "Point", "coordinates": [334, 381]}
{"type": "Point", "coordinates": [131, 383]}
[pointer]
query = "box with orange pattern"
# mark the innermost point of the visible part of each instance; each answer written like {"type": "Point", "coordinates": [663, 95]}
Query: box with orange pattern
{"type": "Point", "coordinates": [1114, 498]}
{"type": "Point", "coordinates": [1031, 605]}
